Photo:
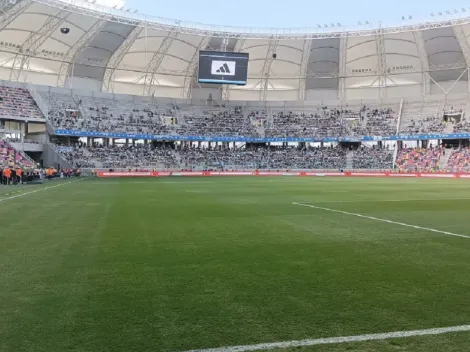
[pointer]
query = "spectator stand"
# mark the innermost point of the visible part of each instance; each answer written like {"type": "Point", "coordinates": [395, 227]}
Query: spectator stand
{"type": "Point", "coordinates": [419, 159]}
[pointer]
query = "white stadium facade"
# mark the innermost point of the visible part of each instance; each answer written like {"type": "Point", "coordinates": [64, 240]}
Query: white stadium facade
{"type": "Point", "coordinates": [121, 52]}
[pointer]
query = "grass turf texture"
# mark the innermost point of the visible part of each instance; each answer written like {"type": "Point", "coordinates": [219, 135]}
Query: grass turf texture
{"type": "Point", "coordinates": [174, 264]}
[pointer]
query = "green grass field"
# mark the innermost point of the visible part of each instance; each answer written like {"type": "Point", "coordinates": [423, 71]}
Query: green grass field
{"type": "Point", "coordinates": [175, 264]}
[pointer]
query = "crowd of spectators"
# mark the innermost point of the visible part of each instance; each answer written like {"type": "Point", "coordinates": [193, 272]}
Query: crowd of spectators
{"type": "Point", "coordinates": [277, 158]}
{"type": "Point", "coordinates": [419, 159]}
{"type": "Point", "coordinates": [372, 158]}
{"type": "Point", "coordinates": [18, 103]}
{"type": "Point", "coordinates": [429, 124]}
{"type": "Point", "coordinates": [128, 116]}
{"type": "Point", "coordinates": [147, 156]}
{"type": "Point", "coordinates": [459, 160]}
{"type": "Point", "coordinates": [118, 156]}
{"type": "Point", "coordinates": [10, 157]}
{"type": "Point", "coordinates": [228, 122]}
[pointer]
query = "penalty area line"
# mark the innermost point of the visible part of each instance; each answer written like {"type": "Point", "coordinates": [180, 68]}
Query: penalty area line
{"type": "Point", "coordinates": [38, 190]}
{"type": "Point", "coordinates": [381, 220]}
{"type": "Point", "coordinates": [337, 340]}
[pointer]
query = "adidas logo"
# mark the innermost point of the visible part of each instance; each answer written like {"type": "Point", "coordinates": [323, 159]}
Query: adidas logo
{"type": "Point", "coordinates": [223, 69]}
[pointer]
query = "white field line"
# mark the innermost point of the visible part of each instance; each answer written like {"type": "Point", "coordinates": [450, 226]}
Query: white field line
{"type": "Point", "coordinates": [382, 220]}
{"type": "Point", "coordinates": [384, 200]}
{"type": "Point", "coordinates": [38, 190]}
{"type": "Point", "coordinates": [337, 340]}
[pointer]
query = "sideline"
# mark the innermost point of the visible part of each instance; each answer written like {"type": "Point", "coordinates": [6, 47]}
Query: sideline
{"type": "Point", "coordinates": [337, 340]}
{"type": "Point", "coordinates": [39, 190]}
{"type": "Point", "coordinates": [382, 220]}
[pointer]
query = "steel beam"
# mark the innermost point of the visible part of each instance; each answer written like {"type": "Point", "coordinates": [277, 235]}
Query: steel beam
{"type": "Point", "coordinates": [343, 63]}
{"type": "Point", "coordinates": [423, 58]}
{"type": "Point", "coordinates": [9, 13]}
{"type": "Point", "coordinates": [116, 59]}
{"type": "Point", "coordinates": [86, 8]}
{"type": "Point", "coordinates": [381, 63]}
{"type": "Point", "coordinates": [303, 69]}
{"type": "Point", "coordinates": [463, 42]}
{"type": "Point", "coordinates": [35, 40]}
{"type": "Point", "coordinates": [76, 49]}
{"type": "Point", "coordinates": [239, 45]}
{"type": "Point", "coordinates": [156, 61]}
{"type": "Point", "coordinates": [190, 72]}
{"type": "Point", "coordinates": [266, 70]}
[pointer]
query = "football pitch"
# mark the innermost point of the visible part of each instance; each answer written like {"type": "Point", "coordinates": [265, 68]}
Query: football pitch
{"type": "Point", "coordinates": [179, 264]}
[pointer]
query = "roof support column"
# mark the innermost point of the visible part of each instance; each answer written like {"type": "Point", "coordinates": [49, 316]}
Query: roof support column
{"type": "Point", "coordinates": [225, 87]}
{"type": "Point", "coordinates": [343, 53]}
{"type": "Point", "coordinates": [382, 65]}
{"type": "Point", "coordinates": [191, 71]}
{"type": "Point", "coordinates": [303, 69]}
{"type": "Point", "coordinates": [8, 16]}
{"type": "Point", "coordinates": [265, 71]}
{"type": "Point", "coordinates": [423, 58]}
{"type": "Point", "coordinates": [156, 61]}
{"type": "Point", "coordinates": [76, 49]}
{"type": "Point", "coordinates": [116, 58]}
{"type": "Point", "coordinates": [34, 41]}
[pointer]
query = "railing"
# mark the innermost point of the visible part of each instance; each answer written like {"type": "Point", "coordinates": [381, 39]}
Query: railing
{"type": "Point", "coordinates": [61, 160]}
{"type": "Point", "coordinates": [43, 106]}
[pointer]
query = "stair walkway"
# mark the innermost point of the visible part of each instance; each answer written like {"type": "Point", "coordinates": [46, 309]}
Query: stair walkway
{"type": "Point", "coordinates": [443, 161]}
{"type": "Point", "coordinates": [349, 159]}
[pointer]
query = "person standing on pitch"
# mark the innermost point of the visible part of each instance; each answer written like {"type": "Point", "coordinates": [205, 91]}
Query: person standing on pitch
{"type": "Point", "coordinates": [19, 174]}
{"type": "Point", "coordinates": [6, 176]}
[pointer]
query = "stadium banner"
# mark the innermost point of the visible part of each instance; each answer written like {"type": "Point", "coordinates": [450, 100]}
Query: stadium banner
{"type": "Point", "coordinates": [277, 173]}
{"type": "Point", "coordinates": [61, 132]}
{"type": "Point", "coordinates": [127, 174]}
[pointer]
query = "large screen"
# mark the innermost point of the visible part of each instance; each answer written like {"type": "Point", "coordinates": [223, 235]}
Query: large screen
{"type": "Point", "coordinates": [223, 67]}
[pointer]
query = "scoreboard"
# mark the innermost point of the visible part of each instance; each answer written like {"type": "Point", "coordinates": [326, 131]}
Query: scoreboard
{"type": "Point", "coordinates": [223, 67]}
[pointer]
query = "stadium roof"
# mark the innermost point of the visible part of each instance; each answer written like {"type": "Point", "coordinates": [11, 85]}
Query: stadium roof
{"type": "Point", "coordinates": [129, 53]}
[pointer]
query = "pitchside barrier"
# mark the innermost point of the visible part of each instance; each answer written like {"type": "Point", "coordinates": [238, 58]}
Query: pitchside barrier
{"type": "Point", "coordinates": [105, 174]}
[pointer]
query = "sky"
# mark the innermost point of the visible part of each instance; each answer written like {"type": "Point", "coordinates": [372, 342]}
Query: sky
{"type": "Point", "coordinates": [292, 13]}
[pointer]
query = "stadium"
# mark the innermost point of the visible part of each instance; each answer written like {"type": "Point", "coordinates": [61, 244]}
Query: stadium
{"type": "Point", "coordinates": [184, 187]}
